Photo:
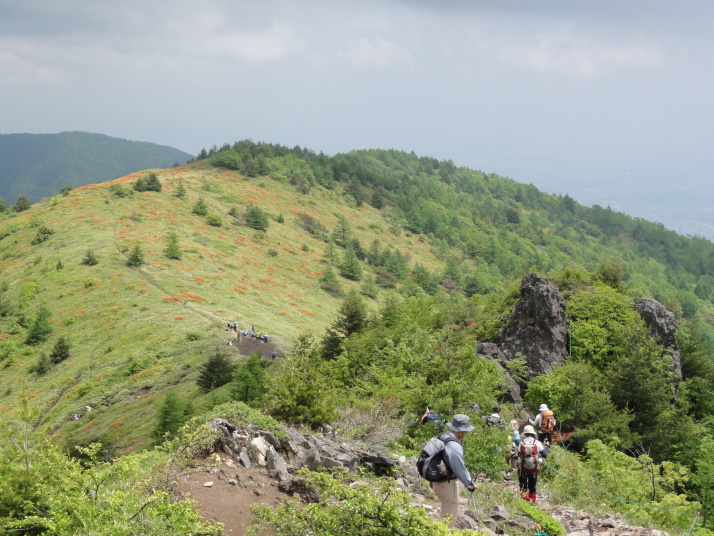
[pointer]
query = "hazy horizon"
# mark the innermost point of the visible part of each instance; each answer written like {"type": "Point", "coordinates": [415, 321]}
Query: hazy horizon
{"type": "Point", "coordinates": [608, 102]}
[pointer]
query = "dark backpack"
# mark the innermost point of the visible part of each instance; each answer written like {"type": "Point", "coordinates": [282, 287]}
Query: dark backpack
{"type": "Point", "coordinates": [495, 422]}
{"type": "Point", "coordinates": [431, 463]}
{"type": "Point", "coordinates": [529, 458]}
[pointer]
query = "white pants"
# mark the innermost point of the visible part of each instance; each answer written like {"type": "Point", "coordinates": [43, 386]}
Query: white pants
{"type": "Point", "coordinates": [448, 493]}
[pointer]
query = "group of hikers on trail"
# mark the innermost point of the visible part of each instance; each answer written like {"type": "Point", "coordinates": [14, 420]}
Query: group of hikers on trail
{"type": "Point", "coordinates": [441, 460]}
{"type": "Point", "coordinates": [257, 335]}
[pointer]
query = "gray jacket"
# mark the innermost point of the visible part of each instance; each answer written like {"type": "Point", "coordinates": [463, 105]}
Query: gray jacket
{"type": "Point", "coordinates": [454, 456]}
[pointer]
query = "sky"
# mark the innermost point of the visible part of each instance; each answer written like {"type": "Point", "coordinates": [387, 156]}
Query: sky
{"type": "Point", "coordinates": [610, 101]}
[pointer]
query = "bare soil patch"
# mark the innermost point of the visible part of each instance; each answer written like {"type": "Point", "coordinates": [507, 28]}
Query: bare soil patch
{"type": "Point", "coordinates": [230, 503]}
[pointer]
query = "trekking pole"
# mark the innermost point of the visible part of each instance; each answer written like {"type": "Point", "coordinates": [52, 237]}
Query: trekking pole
{"type": "Point", "coordinates": [472, 504]}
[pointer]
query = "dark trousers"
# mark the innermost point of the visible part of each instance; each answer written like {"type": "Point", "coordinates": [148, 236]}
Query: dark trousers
{"type": "Point", "coordinates": [528, 482]}
{"type": "Point", "coordinates": [544, 436]}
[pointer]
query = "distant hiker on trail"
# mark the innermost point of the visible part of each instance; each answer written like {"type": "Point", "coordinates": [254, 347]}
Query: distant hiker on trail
{"type": "Point", "coordinates": [433, 418]}
{"type": "Point", "coordinates": [530, 462]}
{"type": "Point", "coordinates": [237, 336]}
{"type": "Point", "coordinates": [512, 456]}
{"type": "Point", "coordinates": [494, 419]}
{"type": "Point", "coordinates": [544, 422]}
{"type": "Point", "coordinates": [448, 490]}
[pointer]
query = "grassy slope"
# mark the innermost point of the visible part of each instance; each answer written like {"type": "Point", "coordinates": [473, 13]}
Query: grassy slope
{"type": "Point", "coordinates": [128, 342]}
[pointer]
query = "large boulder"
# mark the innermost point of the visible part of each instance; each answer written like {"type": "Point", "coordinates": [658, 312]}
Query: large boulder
{"type": "Point", "coordinates": [538, 331]}
{"type": "Point", "coordinates": [663, 327]}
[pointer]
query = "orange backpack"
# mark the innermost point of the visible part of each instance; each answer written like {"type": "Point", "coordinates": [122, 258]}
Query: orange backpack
{"type": "Point", "coordinates": [547, 423]}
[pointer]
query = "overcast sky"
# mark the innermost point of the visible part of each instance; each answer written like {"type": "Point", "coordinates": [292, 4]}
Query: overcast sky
{"type": "Point", "coordinates": [609, 101]}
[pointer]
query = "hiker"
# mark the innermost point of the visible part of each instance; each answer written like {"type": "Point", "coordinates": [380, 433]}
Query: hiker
{"type": "Point", "coordinates": [529, 463]}
{"type": "Point", "coordinates": [432, 417]}
{"type": "Point", "coordinates": [544, 422]}
{"type": "Point", "coordinates": [494, 419]}
{"type": "Point", "coordinates": [448, 490]}
{"type": "Point", "coordinates": [274, 354]}
{"type": "Point", "coordinates": [512, 457]}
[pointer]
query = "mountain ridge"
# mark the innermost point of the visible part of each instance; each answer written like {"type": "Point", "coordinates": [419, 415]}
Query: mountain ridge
{"type": "Point", "coordinates": [39, 165]}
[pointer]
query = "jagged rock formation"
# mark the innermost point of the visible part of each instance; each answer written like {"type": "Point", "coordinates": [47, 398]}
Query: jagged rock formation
{"type": "Point", "coordinates": [254, 446]}
{"type": "Point", "coordinates": [538, 331]}
{"type": "Point", "coordinates": [663, 327]}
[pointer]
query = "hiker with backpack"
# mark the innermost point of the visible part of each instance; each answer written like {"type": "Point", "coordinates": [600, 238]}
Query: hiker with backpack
{"type": "Point", "coordinates": [494, 420]}
{"type": "Point", "coordinates": [529, 452]}
{"type": "Point", "coordinates": [544, 422]}
{"type": "Point", "coordinates": [512, 456]}
{"type": "Point", "coordinates": [441, 462]}
{"type": "Point", "coordinates": [432, 417]}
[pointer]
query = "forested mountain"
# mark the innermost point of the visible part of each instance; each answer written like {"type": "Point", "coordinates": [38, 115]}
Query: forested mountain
{"type": "Point", "coordinates": [39, 165]}
{"type": "Point", "coordinates": [375, 274]}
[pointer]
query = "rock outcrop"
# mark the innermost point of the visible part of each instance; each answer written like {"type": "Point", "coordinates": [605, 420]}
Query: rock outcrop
{"type": "Point", "coordinates": [663, 327]}
{"type": "Point", "coordinates": [252, 446]}
{"type": "Point", "coordinates": [538, 331]}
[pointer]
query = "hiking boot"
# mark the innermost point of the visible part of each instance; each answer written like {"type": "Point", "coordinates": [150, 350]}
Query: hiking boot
{"type": "Point", "coordinates": [533, 497]}
{"type": "Point", "coordinates": [527, 497]}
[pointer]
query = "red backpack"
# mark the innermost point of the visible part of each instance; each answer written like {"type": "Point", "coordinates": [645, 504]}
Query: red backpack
{"type": "Point", "coordinates": [529, 458]}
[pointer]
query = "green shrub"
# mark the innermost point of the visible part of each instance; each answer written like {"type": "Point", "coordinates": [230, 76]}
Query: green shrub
{"type": "Point", "coordinates": [548, 524]}
{"type": "Point", "coordinates": [378, 508]}
{"type": "Point", "coordinates": [90, 259]}
{"type": "Point", "coordinates": [214, 220]}
{"type": "Point", "coordinates": [43, 234]}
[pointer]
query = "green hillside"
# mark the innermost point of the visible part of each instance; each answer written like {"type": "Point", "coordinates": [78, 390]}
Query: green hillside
{"type": "Point", "coordinates": [396, 264]}
{"type": "Point", "coordinates": [39, 165]}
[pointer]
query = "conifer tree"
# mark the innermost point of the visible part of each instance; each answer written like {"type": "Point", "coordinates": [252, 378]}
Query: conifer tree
{"type": "Point", "coordinates": [351, 318]}
{"type": "Point", "coordinates": [330, 283]}
{"type": "Point", "coordinates": [256, 218]}
{"type": "Point", "coordinates": [200, 207]}
{"type": "Point", "coordinates": [342, 234]}
{"type": "Point", "coordinates": [330, 254]}
{"type": "Point", "coordinates": [136, 257]}
{"type": "Point", "coordinates": [217, 371]}
{"type": "Point", "coordinates": [172, 414]}
{"type": "Point", "coordinates": [350, 267]}
{"type": "Point", "coordinates": [180, 190]}
{"type": "Point", "coordinates": [40, 327]}
{"type": "Point", "coordinates": [172, 250]}
{"type": "Point", "coordinates": [22, 204]}
{"type": "Point", "coordinates": [60, 352]}
{"type": "Point", "coordinates": [249, 382]}
{"type": "Point", "coordinates": [369, 287]}
{"type": "Point", "coordinates": [152, 182]}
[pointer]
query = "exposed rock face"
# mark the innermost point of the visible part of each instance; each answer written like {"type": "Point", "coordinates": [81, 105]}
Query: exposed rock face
{"type": "Point", "coordinates": [254, 446]}
{"type": "Point", "coordinates": [538, 331]}
{"type": "Point", "coordinates": [663, 327]}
